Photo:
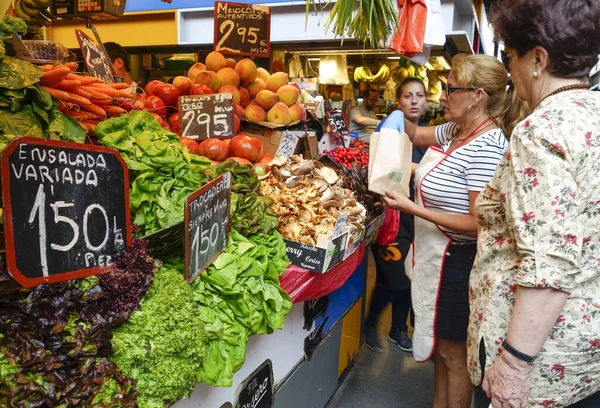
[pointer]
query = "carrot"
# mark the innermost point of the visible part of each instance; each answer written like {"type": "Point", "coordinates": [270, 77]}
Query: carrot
{"type": "Point", "coordinates": [77, 99]}
{"type": "Point", "coordinates": [95, 109]}
{"type": "Point", "coordinates": [72, 66]}
{"type": "Point", "coordinates": [47, 67]}
{"type": "Point", "coordinates": [105, 89]}
{"type": "Point", "coordinates": [57, 94]}
{"type": "Point", "coordinates": [67, 106]}
{"type": "Point", "coordinates": [82, 115]}
{"type": "Point", "coordinates": [56, 73]}
{"type": "Point", "coordinates": [68, 84]}
{"type": "Point", "coordinates": [85, 80]}
{"type": "Point", "coordinates": [106, 101]}
{"type": "Point", "coordinates": [119, 86]}
{"type": "Point", "coordinates": [98, 92]}
{"type": "Point", "coordinates": [124, 93]}
{"type": "Point", "coordinates": [114, 110]}
{"type": "Point", "coordinates": [82, 92]}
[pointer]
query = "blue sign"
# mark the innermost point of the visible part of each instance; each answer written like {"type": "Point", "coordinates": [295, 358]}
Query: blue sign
{"type": "Point", "coordinates": [156, 5]}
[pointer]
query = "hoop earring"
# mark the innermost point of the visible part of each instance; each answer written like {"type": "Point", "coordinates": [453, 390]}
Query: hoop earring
{"type": "Point", "coordinates": [469, 110]}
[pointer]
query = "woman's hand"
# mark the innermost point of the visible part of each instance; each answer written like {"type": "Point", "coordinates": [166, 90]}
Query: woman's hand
{"type": "Point", "coordinates": [397, 202]}
{"type": "Point", "coordinates": [507, 382]}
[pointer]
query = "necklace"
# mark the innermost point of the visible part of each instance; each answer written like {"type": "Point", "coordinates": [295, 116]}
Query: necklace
{"type": "Point", "coordinates": [477, 129]}
{"type": "Point", "coordinates": [565, 88]}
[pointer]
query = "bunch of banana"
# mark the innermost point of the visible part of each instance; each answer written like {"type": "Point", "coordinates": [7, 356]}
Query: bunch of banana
{"type": "Point", "coordinates": [382, 75]}
{"type": "Point", "coordinates": [363, 74]}
{"type": "Point", "coordinates": [33, 11]}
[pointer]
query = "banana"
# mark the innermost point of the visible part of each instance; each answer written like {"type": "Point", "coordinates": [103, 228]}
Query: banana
{"type": "Point", "coordinates": [19, 12]}
{"type": "Point", "coordinates": [42, 4]}
{"type": "Point", "coordinates": [31, 11]}
{"type": "Point", "coordinates": [356, 74]}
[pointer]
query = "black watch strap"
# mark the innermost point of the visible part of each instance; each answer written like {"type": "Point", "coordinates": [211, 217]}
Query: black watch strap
{"type": "Point", "coordinates": [521, 356]}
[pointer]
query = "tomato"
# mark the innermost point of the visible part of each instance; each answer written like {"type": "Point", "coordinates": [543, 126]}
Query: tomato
{"type": "Point", "coordinates": [151, 86]}
{"type": "Point", "coordinates": [238, 123]}
{"type": "Point", "coordinates": [161, 121]}
{"type": "Point", "coordinates": [174, 123]}
{"type": "Point", "coordinates": [155, 105]}
{"type": "Point", "coordinates": [168, 93]}
{"type": "Point", "coordinates": [250, 148]}
{"type": "Point", "coordinates": [191, 144]}
{"type": "Point", "coordinates": [213, 149]}
{"type": "Point", "coordinates": [240, 160]}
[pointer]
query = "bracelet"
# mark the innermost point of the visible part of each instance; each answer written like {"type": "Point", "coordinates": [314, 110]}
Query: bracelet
{"type": "Point", "coordinates": [516, 353]}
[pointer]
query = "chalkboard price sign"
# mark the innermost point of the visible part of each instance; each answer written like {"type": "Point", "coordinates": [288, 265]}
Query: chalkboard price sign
{"type": "Point", "coordinates": [97, 62]}
{"type": "Point", "coordinates": [66, 209]}
{"type": "Point", "coordinates": [338, 123]}
{"type": "Point", "coordinates": [205, 116]}
{"type": "Point", "coordinates": [206, 225]}
{"type": "Point", "coordinates": [242, 29]}
{"type": "Point", "coordinates": [257, 390]}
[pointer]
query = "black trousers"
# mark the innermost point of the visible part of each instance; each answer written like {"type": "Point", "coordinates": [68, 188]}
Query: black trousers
{"type": "Point", "coordinates": [482, 401]}
{"type": "Point", "coordinates": [401, 305]}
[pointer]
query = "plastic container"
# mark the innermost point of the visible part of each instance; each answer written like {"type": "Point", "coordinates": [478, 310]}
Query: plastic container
{"type": "Point", "coordinates": [46, 52]}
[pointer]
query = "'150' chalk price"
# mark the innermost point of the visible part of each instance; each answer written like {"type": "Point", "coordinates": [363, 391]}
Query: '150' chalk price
{"type": "Point", "coordinates": [205, 239]}
{"type": "Point", "coordinates": [38, 212]}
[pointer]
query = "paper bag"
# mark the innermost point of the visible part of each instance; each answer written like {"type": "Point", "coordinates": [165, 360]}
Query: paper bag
{"type": "Point", "coordinates": [391, 164]}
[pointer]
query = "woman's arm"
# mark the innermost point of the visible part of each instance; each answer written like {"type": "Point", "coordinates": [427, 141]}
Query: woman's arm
{"type": "Point", "coordinates": [420, 136]}
{"type": "Point", "coordinates": [460, 223]}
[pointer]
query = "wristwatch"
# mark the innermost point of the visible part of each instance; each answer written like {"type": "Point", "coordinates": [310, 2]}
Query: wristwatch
{"type": "Point", "coordinates": [521, 356]}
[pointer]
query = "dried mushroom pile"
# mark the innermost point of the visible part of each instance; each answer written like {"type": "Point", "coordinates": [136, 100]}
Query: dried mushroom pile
{"type": "Point", "coordinates": [308, 198]}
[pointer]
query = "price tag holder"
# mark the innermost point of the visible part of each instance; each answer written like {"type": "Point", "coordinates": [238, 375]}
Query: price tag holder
{"type": "Point", "coordinates": [337, 122]}
{"type": "Point", "coordinates": [66, 209]}
{"type": "Point", "coordinates": [257, 390]}
{"type": "Point", "coordinates": [340, 225]}
{"type": "Point", "coordinates": [206, 225]}
{"type": "Point", "coordinates": [242, 29]}
{"type": "Point", "coordinates": [313, 309]}
{"type": "Point", "coordinates": [97, 62]}
{"type": "Point", "coordinates": [288, 144]}
{"type": "Point", "coordinates": [205, 116]}
{"type": "Point", "coordinates": [314, 338]}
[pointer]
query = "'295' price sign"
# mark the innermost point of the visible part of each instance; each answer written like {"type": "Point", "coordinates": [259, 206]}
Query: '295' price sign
{"type": "Point", "coordinates": [242, 29]}
{"type": "Point", "coordinates": [206, 225]}
{"type": "Point", "coordinates": [66, 209]}
{"type": "Point", "coordinates": [205, 116]}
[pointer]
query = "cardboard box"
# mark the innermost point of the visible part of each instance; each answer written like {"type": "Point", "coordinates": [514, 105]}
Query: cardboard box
{"type": "Point", "coordinates": [316, 259]}
{"type": "Point", "coordinates": [355, 238]}
{"type": "Point", "coordinates": [271, 138]}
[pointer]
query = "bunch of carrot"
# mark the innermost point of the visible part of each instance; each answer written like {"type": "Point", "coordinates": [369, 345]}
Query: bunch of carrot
{"type": "Point", "coordinates": [87, 99]}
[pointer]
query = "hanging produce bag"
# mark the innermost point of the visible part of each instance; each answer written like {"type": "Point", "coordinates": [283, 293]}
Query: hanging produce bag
{"type": "Point", "coordinates": [412, 18]}
{"type": "Point", "coordinates": [333, 70]}
{"type": "Point", "coordinates": [390, 228]}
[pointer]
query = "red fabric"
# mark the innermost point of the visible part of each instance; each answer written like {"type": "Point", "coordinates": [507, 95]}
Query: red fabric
{"type": "Point", "coordinates": [391, 225]}
{"type": "Point", "coordinates": [303, 285]}
{"type": "Point", "coordinates": [410, 34]}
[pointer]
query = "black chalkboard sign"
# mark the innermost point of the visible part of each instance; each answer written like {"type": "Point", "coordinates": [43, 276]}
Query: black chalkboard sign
{"type": "Point", "coordinates": [165, 241]}
{"type": "Point", "coordinates": [337, 122]}
{"type": "Point", "coordinates": [205, 116]}
{"type": "Point", "coordinates": [66, 209]}
{"type": "Point", "coordinates": [314, 308]}
{"type": "Point", "coordinates": [314, 258]}
{"type": "Point", "coordinates": [257, 390]}
{"type": "Point", "coordinates": [313, 339]}
{"type": "Point", "coordinates": [206, 225]}
{"type": "Point", "coordinates": [97, 62]}
{"type": "Point", "coordinates": [242, 29]}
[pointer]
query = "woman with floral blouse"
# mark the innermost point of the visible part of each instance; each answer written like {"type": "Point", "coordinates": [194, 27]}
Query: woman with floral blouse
{"type": "Point", "coordinates": [534, 330]}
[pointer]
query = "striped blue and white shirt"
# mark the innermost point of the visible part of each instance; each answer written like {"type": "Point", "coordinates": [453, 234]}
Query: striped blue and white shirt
{"type": "Point", "coordinates": [468, 168]}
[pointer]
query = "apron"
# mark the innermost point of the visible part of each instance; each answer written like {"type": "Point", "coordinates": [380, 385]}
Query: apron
{"type": "Point", "coordinates": [428, 254]}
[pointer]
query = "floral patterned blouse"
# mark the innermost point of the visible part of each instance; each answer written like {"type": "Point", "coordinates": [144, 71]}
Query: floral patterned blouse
{"type": "Point", "coordinates": [539, 226]}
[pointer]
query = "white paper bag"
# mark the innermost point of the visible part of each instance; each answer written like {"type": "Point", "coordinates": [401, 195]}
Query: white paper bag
{"type": "Point", "coordinates": [392, 163]}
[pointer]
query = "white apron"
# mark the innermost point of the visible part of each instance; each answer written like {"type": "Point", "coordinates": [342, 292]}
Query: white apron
{"type": "Point", "coordinates": [428, 255]}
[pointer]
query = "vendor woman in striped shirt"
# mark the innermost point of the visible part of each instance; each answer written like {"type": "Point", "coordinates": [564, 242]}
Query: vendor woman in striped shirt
{"type": "Point", "coordinates": [461, 159]}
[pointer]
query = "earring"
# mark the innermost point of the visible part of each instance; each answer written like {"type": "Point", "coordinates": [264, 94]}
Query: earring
{"type": "Point", "coordinates": [469, 110]}
{"type": "Point", "coordinates": [535, 74]}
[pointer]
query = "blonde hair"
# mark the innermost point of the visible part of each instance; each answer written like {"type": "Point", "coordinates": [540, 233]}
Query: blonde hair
{"type": "Point", "coordinates": [488, 73]}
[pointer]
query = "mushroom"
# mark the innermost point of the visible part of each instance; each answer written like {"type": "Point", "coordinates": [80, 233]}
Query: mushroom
{"type": "Point", "coordinates": [320, 183]}
{"type": "Point", "coordinates": [327, 195]}
{"type": "Point", "coordinates": [278, 161]}
{"type": "Point", "coordinates": [334, 212]}
{"type": "Point", "coordinates": [332, 203]}
{"type": "Point", "coordinates": [296, 158]}
{"type": "Point", "coordinates": [329, 175]}
{"type": "Point", "coordinates": [292, 182]}
{"type": "Point", "coordinates": [302, 168]}
{"type": "Point", "coordinates": [305, 217]}
{"type": "Point", "coordinates": [318, 164]}
{"type": "Point", "coordinates": [285, 172]}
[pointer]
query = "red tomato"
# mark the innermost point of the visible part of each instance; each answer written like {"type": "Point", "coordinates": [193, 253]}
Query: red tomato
{"type": "Point", "coordinates": [174, 123]}
{"type": "Point", "coordinates": [266, 160]}
{"type": "Point", "coordinates": [250, 148]}
{"type": "Point", "coordinates": [238, 123]}
{"type": "Point", "coordinates": [191, 144]}
{"type": "Point", "coordinates": [155, 105]}
{"type": "Point", "coordinates": [151, 86]}
{"type": "Point", "coordinates": [240, 160]}
{"type": "Point", "coordinates": [213, 149]}
{"type": "Point", "coordinates": [201, 89]}
{"type": "Point", "coordinates": [161, 121]}
{"type": "Point", "coordinates": [168, 93]}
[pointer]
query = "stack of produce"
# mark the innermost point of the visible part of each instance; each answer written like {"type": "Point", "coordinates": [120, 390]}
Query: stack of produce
{"type": "Point", "coordinates": [364, 74]}
{"type": "Point", "coordinates": [258, 95]}
{"type": "Point", "coordinates": [25, 107]}
{"type": "Point", "coordinates": [308, 198]}
{"type": "Point", "coordinates": [55, 339]}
